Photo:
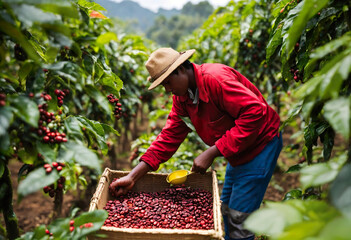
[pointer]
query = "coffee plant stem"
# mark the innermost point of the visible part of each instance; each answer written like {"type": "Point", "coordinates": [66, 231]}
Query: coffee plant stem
{"type": "Point", "coordinates": [58, 203]}
{"type": "Point", "coordinates": [10, 218]}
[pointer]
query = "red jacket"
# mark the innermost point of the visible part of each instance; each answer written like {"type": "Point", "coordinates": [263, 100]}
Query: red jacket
{"type": "Point", "coordinates": [231, 113]}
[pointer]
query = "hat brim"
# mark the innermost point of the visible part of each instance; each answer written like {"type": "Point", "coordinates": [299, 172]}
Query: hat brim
{"type": "Point", "coordinates": [183, 57]}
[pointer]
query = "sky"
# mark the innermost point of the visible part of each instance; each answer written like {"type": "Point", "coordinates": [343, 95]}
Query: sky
{"type": "Point", "coordinates": [154, 5]}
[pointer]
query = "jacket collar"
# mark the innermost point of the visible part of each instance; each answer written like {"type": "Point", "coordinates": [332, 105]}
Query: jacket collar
{"type": "Point", "coordinates": [200, 85]}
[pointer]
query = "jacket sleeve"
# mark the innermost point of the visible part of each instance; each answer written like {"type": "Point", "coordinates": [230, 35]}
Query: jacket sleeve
{"type": "Point", "coordinates": [248, 112]}
{"type": "Point", "coordinates": [169, 140]}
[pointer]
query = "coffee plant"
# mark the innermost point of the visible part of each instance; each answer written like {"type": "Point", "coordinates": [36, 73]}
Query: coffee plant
{"type": "Point", "coordinates": [312, 40]}
{"type": "Point", "coordinates": [58, 62]}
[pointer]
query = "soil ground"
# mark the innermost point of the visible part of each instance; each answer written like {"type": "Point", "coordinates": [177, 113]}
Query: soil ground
{"type": "Point", "coordinates": [36, 209]}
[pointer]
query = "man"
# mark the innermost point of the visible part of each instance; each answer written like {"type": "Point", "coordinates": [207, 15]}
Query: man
{"type": "Point", "coordinates": [230, 115]}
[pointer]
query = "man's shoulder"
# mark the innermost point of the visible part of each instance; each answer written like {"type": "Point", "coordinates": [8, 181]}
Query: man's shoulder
{"type": "Point", "coordinates": [216, 72]}
{"type": "Point", "coordinates": [212, 68]}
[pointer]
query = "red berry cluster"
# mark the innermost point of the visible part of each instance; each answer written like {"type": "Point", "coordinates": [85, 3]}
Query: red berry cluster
{"type": "Point", "coordinates": [45, 96]}
{"type": "Point", "coordinates": [61, 95]}
{"type": "Point", "coordinates": [71, 225]}
{"type": "Point", "coordinates": [2, 99]}
{"type": "Point", "coordinates": [47, 231]}
{"type": "Point", "coordinates": [57, 165]}
{"type": "Point", "coordinates": [297, 76]}
{"type": "Point", "coordinates": [118, 106]}
{"type": "Point", "coordinates": [47, 117]}
{"type": "Point", "coordinates": [59, 187]}
{"type": "Point", "coordinates": [175, 207]}
{"type": "Point", "coordinates": [85, 225]}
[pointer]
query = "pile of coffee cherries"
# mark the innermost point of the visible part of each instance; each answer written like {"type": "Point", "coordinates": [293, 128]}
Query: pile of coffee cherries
{"type": "Point", "coordinates": [177, 207]}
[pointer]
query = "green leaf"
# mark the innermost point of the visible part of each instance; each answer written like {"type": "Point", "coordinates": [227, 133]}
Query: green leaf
{"type": "Point", "coordinates": [293, 112]}
{"type": "Point", "coordinates": [47, 151]}
{"type": "Point", "coordinates": [337, 112]}
{"type": "Point", "coordinates": [106, 38]}
{"type": "Point", "coordinates": [321, 173]}
{"type": "Point", "coordinates": [109, 129]}
{"type": "Point", "coordinates": [92, 125]}
{"type": "Point", "coordinates": [17, 35]}
{"type": "Point", "coordinates": [97, 130]}
{"type": "Point", "coordinates": [330, 47]}
{"type": "Point", "coordinates": [112, 83]}
{"type": "Point", "coordinates": [293, 194]}
{"type": "Point", "coordinates": [61, 8]}
{"type": "Point", "coordinates": [97, 217]}
{"type": "Point", "coordinates": [25, 69]}
{"type": "Point", "coordinates": [317, 174]}
{"type": "Point", "coordinates": [310, 88]}
{"type": "Point", "coordinates": [274, 42]}
{"type": "Point", "coordinates": [295, 168]}
{"type": "Point", "coordinates": [29, 14]}
{"type": "Point", "coordinates": [309, 9]}
{"type": "Point", "coordinates": [27, 156]}
{"type": "Point", "coordinates": [273, 219]}
{"type": "Point", "coordinates": [91, 5]}
{"type": "Point", "coordinates": [72, 126]}
{"type": "Point", "coordinates": [84, 156]}
{"type": "Point", "coordinates": [36, 180]}
{"type": "Point", "coordinates": [99, 98]}
{"type": "Point", "coordinates": [340, 191]}
{"type": "Point", "coordinates": [333, 74]}
{"type": "Point", "coordinates": [336, 228]}
{"type": "Point", "coordinates": [60, 227]}
{"type": "Point", "coordinates": [6, 117]}
{"type": "Point", "coordinates": [25, 109]}
{"type": "Point", "coordinates": [303, 230]}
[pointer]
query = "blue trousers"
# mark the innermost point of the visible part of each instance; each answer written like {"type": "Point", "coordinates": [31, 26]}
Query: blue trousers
{"type": "Point", "coordinates": [244, 189]}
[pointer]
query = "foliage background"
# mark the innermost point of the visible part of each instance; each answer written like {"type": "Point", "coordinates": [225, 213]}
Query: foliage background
{"type": "Point", "coordinates": [296, 52]}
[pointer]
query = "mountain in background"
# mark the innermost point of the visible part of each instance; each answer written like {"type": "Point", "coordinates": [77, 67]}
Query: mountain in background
{"type": "Point", "coordinates": [131, 11]}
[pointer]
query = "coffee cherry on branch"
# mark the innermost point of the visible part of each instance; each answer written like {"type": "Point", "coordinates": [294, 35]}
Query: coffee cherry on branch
{"type": "Point", "coordinates": [61, 94]}
{"type": "Point", "coordinates": [2, 99]}
{"type": "Point", "coordinates": [297, 75]}
{"type": "Point", "coordinates": [59, 187]}
{"type": "Point", "coordinates": [118, 106]}
{"type": "Point", "coordinates": [48, 123]}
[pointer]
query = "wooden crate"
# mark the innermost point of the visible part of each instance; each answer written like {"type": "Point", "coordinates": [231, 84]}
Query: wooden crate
{"type": "Point", "coordinates": [156, 182]}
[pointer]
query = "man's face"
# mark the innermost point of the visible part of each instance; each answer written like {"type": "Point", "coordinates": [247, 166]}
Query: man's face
{"type": "Point", "coordinates": [177, 84]}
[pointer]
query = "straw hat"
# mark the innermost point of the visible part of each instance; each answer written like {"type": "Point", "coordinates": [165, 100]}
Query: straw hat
{"type": "Point", "coordinates": [163, 62]}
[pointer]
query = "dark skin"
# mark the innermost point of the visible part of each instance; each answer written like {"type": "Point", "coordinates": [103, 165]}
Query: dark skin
{"type": "Point", "coordinates": [178, 85]}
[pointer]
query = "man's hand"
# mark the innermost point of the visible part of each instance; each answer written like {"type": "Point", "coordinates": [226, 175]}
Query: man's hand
{"type": "Point", "coordinates": [126, 183]}
{"type": "Point", "coordinates": [123, 185]}
{"type": "Point", "coordinates": [205, 160]}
